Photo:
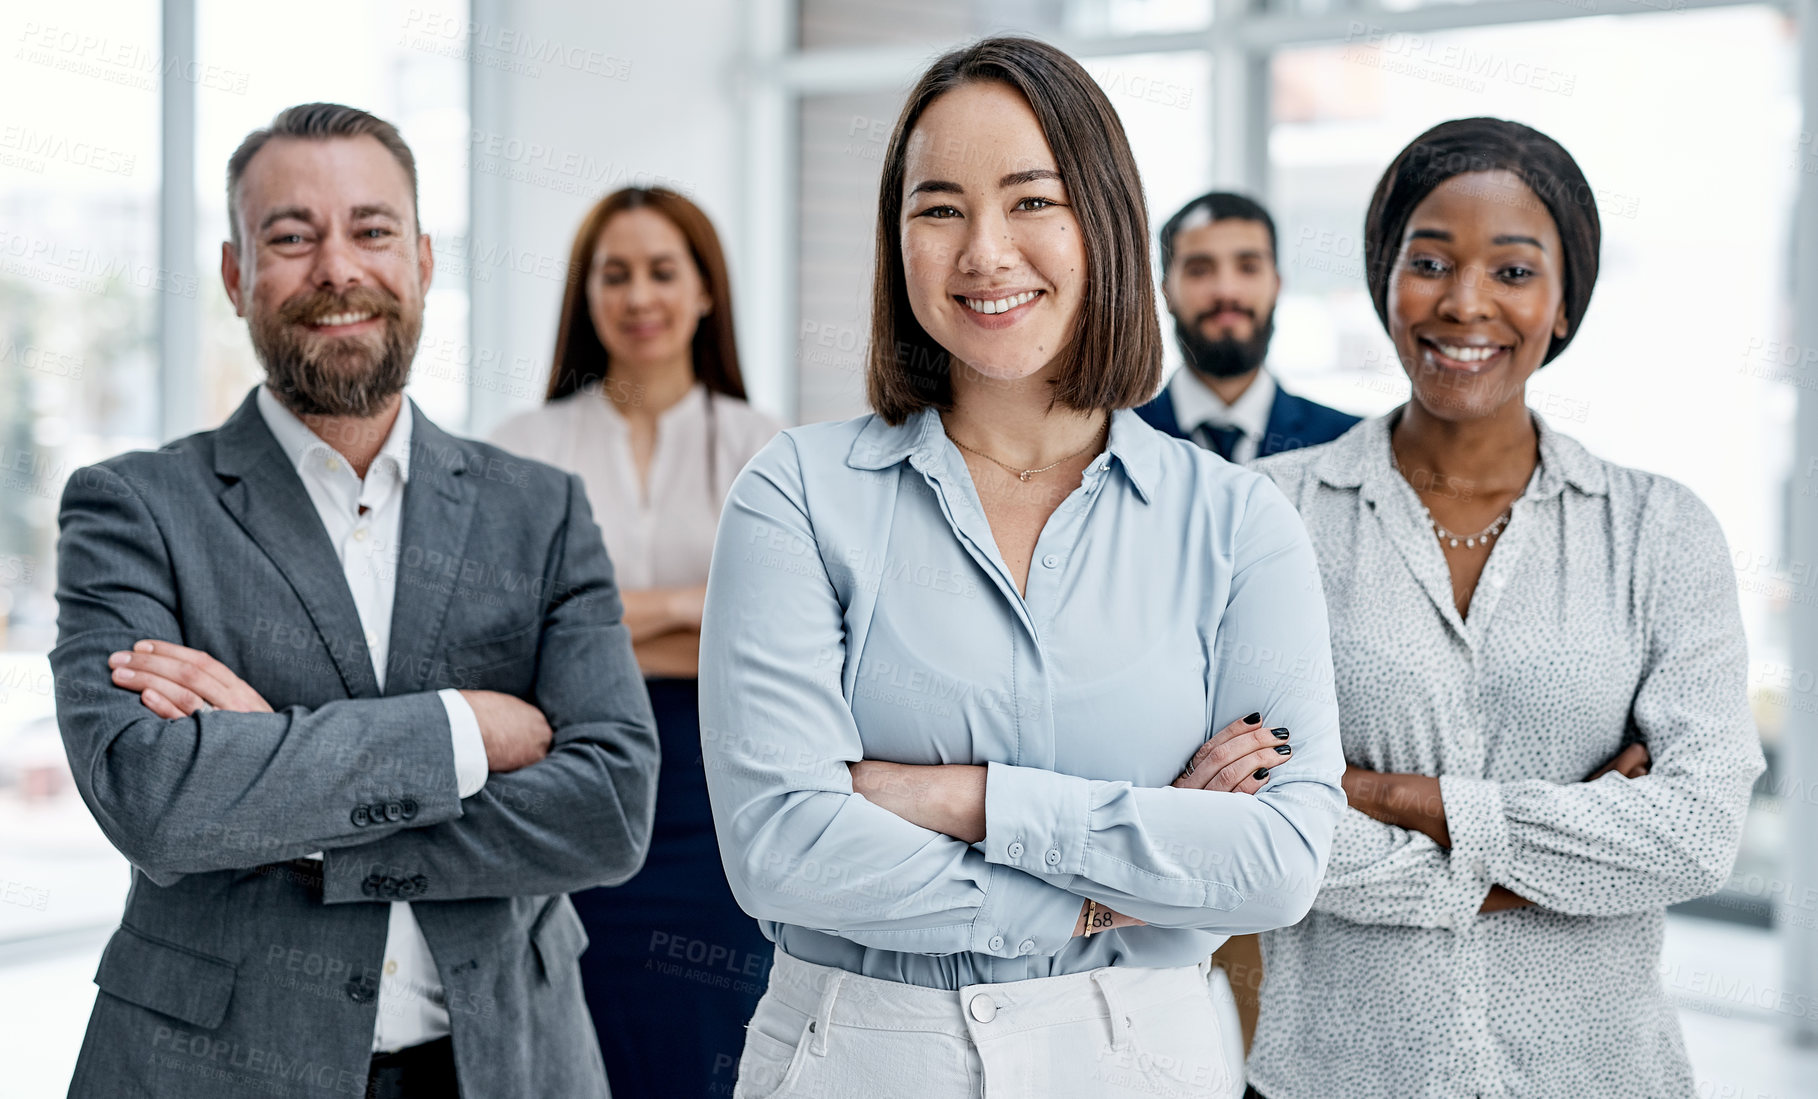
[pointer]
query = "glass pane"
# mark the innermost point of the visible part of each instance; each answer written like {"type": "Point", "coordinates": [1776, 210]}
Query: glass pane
{"type": "Point", "coordinates": [404, 61]}
{"type": "Point", "coordinates": [1163, 99]}
{"type": "Point", "coordinates": [837, 23]}
{"type": "Point", "coordinates": [842, 151]}
{"type": "Point", "coordinates": [1684, 343]}
{"type": "Point", "coordinates": [79, 283]}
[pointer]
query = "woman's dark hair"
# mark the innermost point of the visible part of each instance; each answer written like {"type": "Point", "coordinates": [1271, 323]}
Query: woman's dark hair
{"type": "Point", "coordinates": [1114, 359]}
{"type": "Point", "coordinates": [581, 358]}
{"type": "Point", "coordinates": [1486, 145]}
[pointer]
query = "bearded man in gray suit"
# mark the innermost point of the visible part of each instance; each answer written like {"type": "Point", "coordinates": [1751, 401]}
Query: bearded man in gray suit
{"type": "Point", "coordinates": [352, 695]}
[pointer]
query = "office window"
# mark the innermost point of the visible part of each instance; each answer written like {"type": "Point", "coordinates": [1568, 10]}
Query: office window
{"type": "Point", "coordinates": [403, 61]}
{"type": "Point", "coordinates": [79, 284]}
{"type": "Point", "coordinates": [845, 23]}
{"type": "Point", "coordinates": [80, 290]}
{"type": "Point", "coordinates": [1679, 366]}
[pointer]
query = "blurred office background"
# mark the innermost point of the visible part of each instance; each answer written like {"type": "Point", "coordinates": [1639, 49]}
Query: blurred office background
{"type": "Point", "coordinates": [1693, 120]}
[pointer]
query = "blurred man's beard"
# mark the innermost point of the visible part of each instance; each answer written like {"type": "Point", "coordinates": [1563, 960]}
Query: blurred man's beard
{"type": "Point", "coordinates": [316, 374]}
{"type": "Point", "coordinates": [1227, 357]}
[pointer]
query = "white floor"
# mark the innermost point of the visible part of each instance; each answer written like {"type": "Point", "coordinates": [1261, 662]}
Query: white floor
{"type": "Point", "coordinates": [1736, 1044]}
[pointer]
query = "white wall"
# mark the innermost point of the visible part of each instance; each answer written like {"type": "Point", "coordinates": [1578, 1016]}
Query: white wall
{"type": "Point", "coordinates": [638, 93]}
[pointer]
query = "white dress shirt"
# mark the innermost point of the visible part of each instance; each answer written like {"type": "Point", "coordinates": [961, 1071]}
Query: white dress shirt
{"type": "Point", "coordinates": [362, 518]}
{"type": "Point", "coordinates": [1196, 404]}
{"type": "Point", "coordinates": [660, 536]}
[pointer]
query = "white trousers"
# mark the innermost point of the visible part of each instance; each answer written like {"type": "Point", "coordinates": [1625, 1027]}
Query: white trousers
{"type": "Point", "coordinates": [1116, 1032]}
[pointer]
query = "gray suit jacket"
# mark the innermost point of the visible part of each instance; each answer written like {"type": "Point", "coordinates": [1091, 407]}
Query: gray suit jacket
{"type": "Point", "coordinates": [237, 971]}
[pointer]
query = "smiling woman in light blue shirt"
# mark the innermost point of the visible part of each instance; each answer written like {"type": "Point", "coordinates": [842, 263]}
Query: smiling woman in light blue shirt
{"type": "Point", "coordinates": [956, 653]}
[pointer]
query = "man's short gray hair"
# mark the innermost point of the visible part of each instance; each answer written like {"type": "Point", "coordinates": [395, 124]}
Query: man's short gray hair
{"type": "Point", "coordinates": [316, 122]}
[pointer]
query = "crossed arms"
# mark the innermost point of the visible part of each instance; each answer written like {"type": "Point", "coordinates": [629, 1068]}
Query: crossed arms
{"type": "Point", "coordinates": [181, 792]}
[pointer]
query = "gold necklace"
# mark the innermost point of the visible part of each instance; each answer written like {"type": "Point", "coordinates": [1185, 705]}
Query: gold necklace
{"type": "Point", "coordinates": [1025, 474]}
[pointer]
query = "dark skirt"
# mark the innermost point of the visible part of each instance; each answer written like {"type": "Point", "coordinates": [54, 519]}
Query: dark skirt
{"type": "Point", "coordinates": [675, 968]}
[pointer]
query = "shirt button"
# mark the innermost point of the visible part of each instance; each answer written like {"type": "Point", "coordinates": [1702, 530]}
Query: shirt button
{"type": "Point", "coordinates": [1054, 856]}
{"type": "Point", "coordinates": [982, 1008]}
{"type": "Point", "coordinates": [997, 942]}
{"type": "Point", "coordinates": [333, 465]}
{"type": "Point", "coordinates": [1052, 561]}
{"type": "Point", "coordinates": [1497, 580]}
{"type": "Point", "coordinates": [372, 639]}
{"type": "Point", "coordinates": [1027, 946]}
{"type": "Point", "coordinates": [1016, 850]}
{"type": "Point", "coordinates": [360, 535]}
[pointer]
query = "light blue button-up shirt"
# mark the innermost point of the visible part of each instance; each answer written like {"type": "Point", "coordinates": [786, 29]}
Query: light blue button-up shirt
{"type": "Point", "coordinates": [858, 608]}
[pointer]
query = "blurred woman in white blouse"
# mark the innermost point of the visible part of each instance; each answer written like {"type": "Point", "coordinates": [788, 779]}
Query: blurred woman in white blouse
{"type": "Point", "coordinates": [1541, 673]}
{"type": "Point", "coordinates": [646, 404]}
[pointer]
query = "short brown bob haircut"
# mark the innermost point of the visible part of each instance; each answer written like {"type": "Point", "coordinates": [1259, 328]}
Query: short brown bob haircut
{"type": "Point", "coordinates": [580, 357]}
{"type": "Point", "coordinates": [1114, 359]}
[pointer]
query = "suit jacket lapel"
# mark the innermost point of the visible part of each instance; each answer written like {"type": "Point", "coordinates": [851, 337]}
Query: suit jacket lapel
{"type": "Point", "coordinates": [266, 497]}
{"type": "Point", "coordinates": [432, 542]}
{"type": "Point", "coordinates": [1285, 423]}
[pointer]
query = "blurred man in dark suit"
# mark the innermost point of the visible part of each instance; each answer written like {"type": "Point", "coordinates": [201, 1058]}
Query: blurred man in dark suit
{"type": "Point", "coordinates": [1220, 283]}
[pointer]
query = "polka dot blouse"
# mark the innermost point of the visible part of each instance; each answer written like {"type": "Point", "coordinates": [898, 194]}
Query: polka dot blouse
{"type": "Point", "coordinates": [1607, 612]}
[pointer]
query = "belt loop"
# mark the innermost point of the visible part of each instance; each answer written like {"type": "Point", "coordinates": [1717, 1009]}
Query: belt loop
{"type": "Point", "coordinates": [1120, 1023]}
{"type": "Point", "coordinates": [823, 1015]}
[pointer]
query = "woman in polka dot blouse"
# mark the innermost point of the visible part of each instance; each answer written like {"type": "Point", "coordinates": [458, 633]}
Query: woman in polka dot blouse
{"type": "Point", "coordinates": [1541, 676]}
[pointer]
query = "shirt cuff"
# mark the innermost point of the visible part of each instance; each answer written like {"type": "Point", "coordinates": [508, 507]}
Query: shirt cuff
{"type": "Point", "coordinates": [469, 749]}
{"type": "Point", "coordinates": [1024, 916]}
{"type": "Point", "coordinates": [1480, 835]}
{"type": "Point", "coordinates": [1036, 821]}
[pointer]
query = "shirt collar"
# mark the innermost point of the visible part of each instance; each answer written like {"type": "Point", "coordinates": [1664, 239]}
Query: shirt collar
{"type": "Point", "coordinates": [298, 442]}
{"type": "Point", "coordinates": [1361, 458]}
{"type": "Point", "coordinates": [923, 441]}
{"type": "Point", "coordinates": [1195, 403]}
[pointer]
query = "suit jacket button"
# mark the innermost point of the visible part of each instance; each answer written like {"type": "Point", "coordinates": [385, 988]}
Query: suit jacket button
{"type": "Point", "coordinates": [406, 889]}
{"type": "Point", "coordinates": [360, 990]}
{"type": "Point", "coordinates": [419, 884]}
{"type": "Point", "coordinates": [373, 885]}
{"type": "Point", "coordinates": [362, 816]}
{"type": "Point", "coordinates": [409, 806]}
{"type": "Point", "coordinates": [393, 811]}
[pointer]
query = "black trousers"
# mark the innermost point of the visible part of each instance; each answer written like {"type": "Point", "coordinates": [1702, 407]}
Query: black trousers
{"type": "Point", "coordinates": [417, 1072]}
{"type": "Point", "coordinates": [1252, 1093]}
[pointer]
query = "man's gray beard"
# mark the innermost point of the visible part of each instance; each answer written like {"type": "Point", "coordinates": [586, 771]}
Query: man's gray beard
{"type": "Point", "coordinates": [336, 378]}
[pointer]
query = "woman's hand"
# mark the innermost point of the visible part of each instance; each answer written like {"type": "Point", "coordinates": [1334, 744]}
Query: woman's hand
{"type": "Point", "coordinates": [1631, 762]}
{"type": "Point", "coordinates": [1237, 758]}
{"type": "Point", "coordinates": [946, 798]}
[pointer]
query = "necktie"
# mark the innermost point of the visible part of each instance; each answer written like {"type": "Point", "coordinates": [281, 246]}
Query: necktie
{"type": "Point", "coordinates": [1219, 440]}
